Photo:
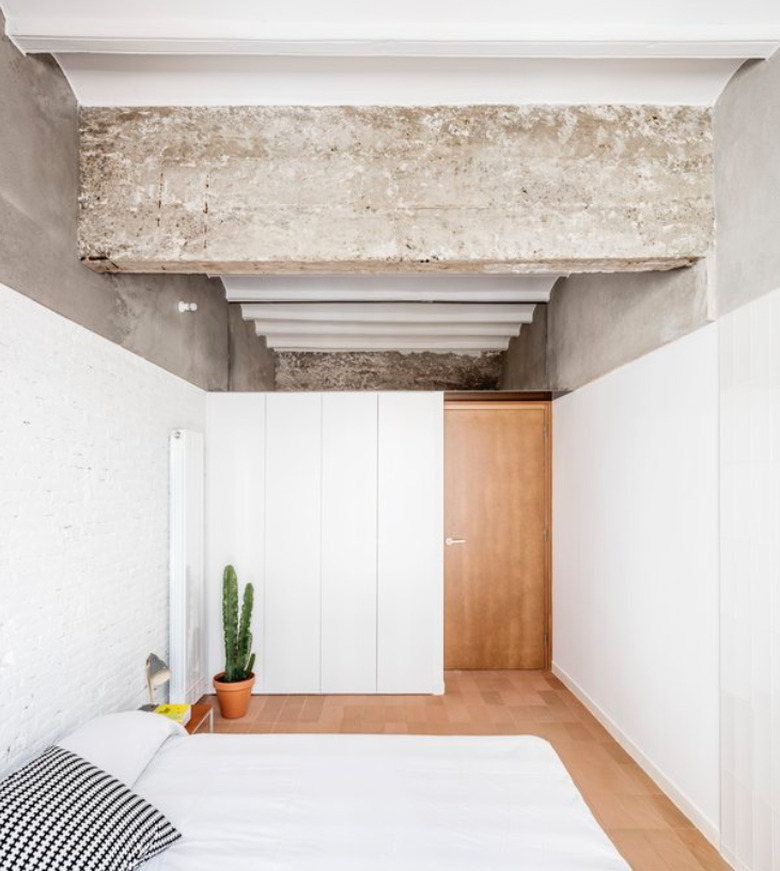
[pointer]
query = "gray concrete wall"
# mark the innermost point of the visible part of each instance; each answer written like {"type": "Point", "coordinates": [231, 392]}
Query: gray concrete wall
{"type": "Point", "coordinates": [599, 322]}
{"type": "Point", "coordinates": [595, 323]}
{"type": "Point", "coordinates": [524, 365]}
{"type": "Point", "coordinates": [746, 128]}
{"type": "Point", "coordinates": [248, 189]}
{"type": "Point", "coordinates": [39, 177]}
{"type": "Point", "coordinates": [387, 371]}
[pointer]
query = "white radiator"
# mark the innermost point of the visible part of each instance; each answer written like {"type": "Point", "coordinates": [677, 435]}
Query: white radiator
{"type": "Point", "coordinates": [187, 655]}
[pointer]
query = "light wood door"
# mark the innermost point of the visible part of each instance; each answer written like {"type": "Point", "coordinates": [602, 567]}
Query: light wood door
{"type": "Point", "coordinates": [496, 515]}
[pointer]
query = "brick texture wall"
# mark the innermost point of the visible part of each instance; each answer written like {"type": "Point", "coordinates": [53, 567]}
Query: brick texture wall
{"type": "Point", "coordinates": [84, 427]}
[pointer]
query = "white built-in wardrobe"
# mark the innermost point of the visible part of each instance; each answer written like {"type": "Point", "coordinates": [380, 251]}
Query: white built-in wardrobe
{"type": "Point", "coordinates": [331, 504]}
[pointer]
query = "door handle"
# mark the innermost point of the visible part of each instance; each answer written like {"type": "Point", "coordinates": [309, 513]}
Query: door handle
{"type": "Point", "coordinates": [450, 541]}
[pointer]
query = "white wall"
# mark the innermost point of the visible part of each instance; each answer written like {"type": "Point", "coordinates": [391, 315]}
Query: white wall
{"type": "Point", "coordinates": [84, 428]}
{"type": "Point", "coordinates": [635, 561]}
{"type": "Point", "coordinates": [750, 579]}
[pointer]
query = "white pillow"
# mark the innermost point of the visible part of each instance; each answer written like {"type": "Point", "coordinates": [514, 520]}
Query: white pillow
{"type": "Point", "coordinates": [122, 744]}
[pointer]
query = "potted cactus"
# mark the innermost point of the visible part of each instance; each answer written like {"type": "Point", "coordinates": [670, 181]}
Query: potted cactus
{"type": "Point", "coordinates": [234, 684]}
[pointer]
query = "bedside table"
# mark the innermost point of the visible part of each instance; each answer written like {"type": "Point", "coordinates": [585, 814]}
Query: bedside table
{"type": "Point", "coordinates": [200, 715]}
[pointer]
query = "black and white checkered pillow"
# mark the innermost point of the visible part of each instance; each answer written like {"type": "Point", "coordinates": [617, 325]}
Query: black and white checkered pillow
{"type": "Point", "coordinates": [60, 812]}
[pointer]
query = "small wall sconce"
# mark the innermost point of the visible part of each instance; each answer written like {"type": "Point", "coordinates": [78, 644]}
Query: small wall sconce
{"type": "Point", "coordinates": [187, 307]}
{"type": "Point", "coordinates": [157, 674]}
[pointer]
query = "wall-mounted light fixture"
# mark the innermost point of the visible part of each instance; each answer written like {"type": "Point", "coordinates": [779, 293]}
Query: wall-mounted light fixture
{"type": "Point", "coordinates": [157, 674]}
{"type": "Point", "coordinates": [187, 307]}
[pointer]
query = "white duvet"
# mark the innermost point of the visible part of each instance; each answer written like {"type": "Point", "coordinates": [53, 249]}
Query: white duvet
{"type": "Point", "coordinates": [371, 803]}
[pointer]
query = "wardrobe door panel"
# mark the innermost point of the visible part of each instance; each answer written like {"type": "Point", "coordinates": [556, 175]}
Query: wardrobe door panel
{"type": "Point", "coordinates": [349, 511]}
{"type": "Point", "coordinates": [235, 504]}
{"type": "Point", "coordinates": [410, 530]}
{"type": "Point", "coordinates": [291, 635]}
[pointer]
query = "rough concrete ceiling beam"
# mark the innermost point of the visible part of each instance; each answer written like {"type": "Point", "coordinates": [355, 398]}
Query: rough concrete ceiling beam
{"type": "Point", "coordinates": [291, 189]}
{"type": "Point", "coordinates": [389, 288]}
{"type": "Point", "coordinates": [402, 313]}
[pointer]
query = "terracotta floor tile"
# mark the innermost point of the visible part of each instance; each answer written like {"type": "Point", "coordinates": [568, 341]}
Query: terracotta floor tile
{"type": "Point", "coordinates": [673, 817]}
{"type": "Point", "coordinates": [616, 752]}
{"type": "Point", "coordinates": [658, 849]}
{"type": "Point", "coordinates": [707, 856]}
{"type": "Point", "coordinates": [638, 851]}
{"type": "Point", "coordinates": [645, 826]}
{"type": "Point", "coordinates": [578, 732]}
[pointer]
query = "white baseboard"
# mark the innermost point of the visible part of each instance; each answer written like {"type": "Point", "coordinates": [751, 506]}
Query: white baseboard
{"type": "Point", "coordinates": [703, 824]}
{"type": "Point", "coordinates": [736, 864]}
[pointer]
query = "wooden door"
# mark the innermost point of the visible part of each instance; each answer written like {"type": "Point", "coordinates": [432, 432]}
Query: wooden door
{"type": "Point", "coordinates": [496, 463]}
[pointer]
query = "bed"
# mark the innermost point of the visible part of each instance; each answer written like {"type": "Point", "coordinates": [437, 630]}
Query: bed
{"type": "Point", "coordinates": [371, 803]}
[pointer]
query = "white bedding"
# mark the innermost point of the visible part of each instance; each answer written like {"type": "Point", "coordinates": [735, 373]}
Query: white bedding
{"type": "Point", "coordinates": [371, 803]}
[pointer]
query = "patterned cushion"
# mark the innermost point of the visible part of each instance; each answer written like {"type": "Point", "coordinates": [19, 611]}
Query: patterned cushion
{"type": "Point", "coordinates": [60, 812]}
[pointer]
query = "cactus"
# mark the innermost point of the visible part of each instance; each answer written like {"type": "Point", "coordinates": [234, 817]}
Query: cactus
{"type": "Point", "coordinates": [239, 659]}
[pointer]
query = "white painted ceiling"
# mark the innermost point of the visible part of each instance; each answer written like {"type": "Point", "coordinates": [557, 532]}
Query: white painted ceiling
{"type": "Point", "coordinates": [388, 313]}
{"type": "Point", "coordinates": [408, 52]}
{"type": "Point", "coordinates": [375, 27]}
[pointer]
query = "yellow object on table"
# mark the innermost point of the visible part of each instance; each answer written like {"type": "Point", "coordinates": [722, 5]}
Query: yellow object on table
{"type": "Point", "coordinates": [179, 713]}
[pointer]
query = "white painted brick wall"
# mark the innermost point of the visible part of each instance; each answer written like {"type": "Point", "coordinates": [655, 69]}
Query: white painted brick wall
{"type": "Point", "coordinates": [84, 428]}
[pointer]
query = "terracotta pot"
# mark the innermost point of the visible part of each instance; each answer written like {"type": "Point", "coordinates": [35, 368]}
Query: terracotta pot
{"type": "Point", "coordinates": [233, 697]}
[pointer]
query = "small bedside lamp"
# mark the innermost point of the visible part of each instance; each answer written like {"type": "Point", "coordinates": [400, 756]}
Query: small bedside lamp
{"type": "Point", "coordinates": [157, 674]}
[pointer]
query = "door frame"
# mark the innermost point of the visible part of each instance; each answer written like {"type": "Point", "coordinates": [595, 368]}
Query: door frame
{"type": "Point", "coordinates": [543, 402]}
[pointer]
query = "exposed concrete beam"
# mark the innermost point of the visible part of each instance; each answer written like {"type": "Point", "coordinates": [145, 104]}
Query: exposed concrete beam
{"type": "Point", "coordinates": [376, 189]}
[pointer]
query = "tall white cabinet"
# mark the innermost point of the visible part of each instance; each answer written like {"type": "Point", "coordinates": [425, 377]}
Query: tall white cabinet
{"type": "Point", "coordinates": [349, 543]}
{"type": "Point", "coordinates": [332, 504]}
{"type": "Point", "coordinates": [234, 506]}
{"type": "Point", "coordinates": [410, 609]}
{"type": "Point", "coordinates": [293, 536]}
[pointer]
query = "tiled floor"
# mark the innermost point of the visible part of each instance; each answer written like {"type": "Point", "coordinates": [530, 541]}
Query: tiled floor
{"type": "Point", "coordinates": [644, 825]}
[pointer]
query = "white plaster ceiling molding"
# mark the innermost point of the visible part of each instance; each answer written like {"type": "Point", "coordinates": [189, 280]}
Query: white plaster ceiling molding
{"type": "Point", "coordinates": [188, 80]}
{"type": "Point", "coordinates": [489, 28]}
{"type": "Point", "coordinates": [389, 288]}
{"type": "Point", "coordinates": [334, 344]}
{"type": "Point", "coordinates": [440, 313]}
{"type": "Point", "coordinates": [410, 52]}
{"type": "Point", "coordinates": [460, 314]}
